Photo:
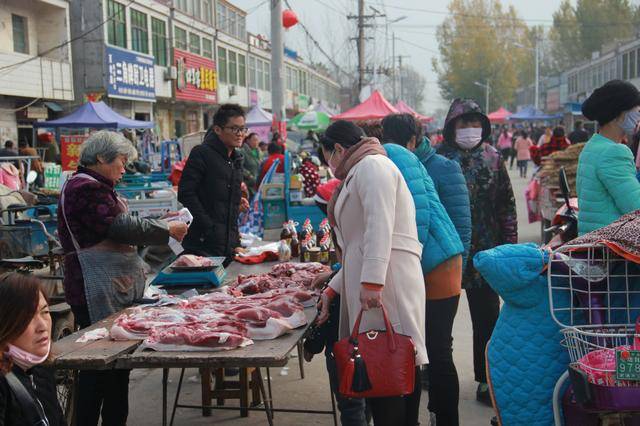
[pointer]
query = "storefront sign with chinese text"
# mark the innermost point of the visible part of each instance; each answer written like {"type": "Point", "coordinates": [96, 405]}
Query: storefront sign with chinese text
{"type": "Point", "coordinates": [197, 78]}
{"type": "Point", "coordinates": [70, 150]}
{"type": "Point", "coordinates": [130, 75]}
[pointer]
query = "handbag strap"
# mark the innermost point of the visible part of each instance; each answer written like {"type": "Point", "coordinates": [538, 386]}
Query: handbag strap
{"type": "Point", "coordinates": [33, 412]}
{"type": "Point", "coordinates": [391, 335]}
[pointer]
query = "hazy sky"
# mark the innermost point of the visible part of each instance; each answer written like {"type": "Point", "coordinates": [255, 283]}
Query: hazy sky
{"type": "Point", "coordinates": [327, 22]}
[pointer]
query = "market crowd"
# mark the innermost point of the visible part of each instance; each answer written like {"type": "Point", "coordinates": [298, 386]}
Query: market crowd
{"type": "Point", "coordinates": [408, 215]}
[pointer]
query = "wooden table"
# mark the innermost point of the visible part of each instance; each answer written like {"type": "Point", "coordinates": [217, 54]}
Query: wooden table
{"type": "Point", "coordinates": [109, 354]}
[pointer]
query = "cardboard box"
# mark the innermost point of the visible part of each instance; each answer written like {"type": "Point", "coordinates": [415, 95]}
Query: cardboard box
{"type": "Point", "coordinates": [273, 191]}
{"type": "Point", "coordinates": [275, 213]}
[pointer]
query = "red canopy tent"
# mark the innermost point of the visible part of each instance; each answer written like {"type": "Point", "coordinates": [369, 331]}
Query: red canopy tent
{"type": "Point", "coordinates": [402, 107]}
{"type": "Point", "coordinates": [499, 116]}
{"type": "Point", "coordinates": [375, 107]}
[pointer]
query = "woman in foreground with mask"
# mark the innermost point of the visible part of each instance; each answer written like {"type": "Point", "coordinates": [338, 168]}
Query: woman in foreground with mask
{"type": "Point", "coordinates": [493, 217]}
{"type": "Point", "coordinates": [27, 390]}
{"type": "Point", "coordinates": [606, 183]}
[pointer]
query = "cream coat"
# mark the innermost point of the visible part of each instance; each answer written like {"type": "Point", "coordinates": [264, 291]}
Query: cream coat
{"type": "Point", "coordinates": [376, 229]}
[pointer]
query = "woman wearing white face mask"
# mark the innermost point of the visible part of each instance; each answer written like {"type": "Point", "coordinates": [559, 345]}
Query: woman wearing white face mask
{"type": "Point", "coordinates": [27, 390]}
{"type": "Point", "coordinates": [493, 217]}
{"type": "Point", "coordinates": [606, 183]}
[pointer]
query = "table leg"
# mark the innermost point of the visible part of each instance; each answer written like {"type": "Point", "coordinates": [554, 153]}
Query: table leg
{"type": "Point", "coordinates": [165, 380]}
{"type": "Point", "coordinates": [244, 392]}
{"type": "Point", "coordinates": [175, 402]}
{"type": "Point", "coordinates": [205, 377]}
{"type": "Point", "coordinates": [333, 407]}
{"type": "Point", "coordinates": [270, 393]}
{"type": "Point", "coordinates": [301, 358]}
{"type": "Point", "coordinates": [267, 399]}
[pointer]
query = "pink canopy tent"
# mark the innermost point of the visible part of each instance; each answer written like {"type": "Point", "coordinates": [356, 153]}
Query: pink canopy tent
{"type": "Point", "coordinates": [403, 107]}
{"type": "Point", "coordinates": [499, 116]}
{"type": "Point", "coordinates": [375, 107]}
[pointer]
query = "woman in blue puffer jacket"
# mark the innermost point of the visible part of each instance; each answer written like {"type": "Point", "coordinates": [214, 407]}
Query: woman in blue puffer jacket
{"type": "Point", "coordinates": [450, 217]}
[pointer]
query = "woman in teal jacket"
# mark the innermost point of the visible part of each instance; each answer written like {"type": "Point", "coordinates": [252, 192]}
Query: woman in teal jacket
{"type": "Point", "coordinates": [449, 205]}
{"type": "Point", "coordinates": [606, 183]}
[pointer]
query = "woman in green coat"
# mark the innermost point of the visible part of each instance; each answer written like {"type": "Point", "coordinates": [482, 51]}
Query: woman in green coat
{"type": "Point", "coordinates": [606, 183]}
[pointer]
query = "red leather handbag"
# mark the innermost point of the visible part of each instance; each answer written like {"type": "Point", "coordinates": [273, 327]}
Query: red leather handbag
{"type": "Point", "coordinates": [375, 363]}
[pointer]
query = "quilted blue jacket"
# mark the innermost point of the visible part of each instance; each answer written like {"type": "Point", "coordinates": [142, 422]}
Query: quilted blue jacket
{"type": "Point", "coordinates": [452, 189]}
{"type": "Point", "coordinates": [606, 183]}
{"type": "Point", "coordinates": [525, 358]}
{"type": "Point", "coordinates": [435, 230]}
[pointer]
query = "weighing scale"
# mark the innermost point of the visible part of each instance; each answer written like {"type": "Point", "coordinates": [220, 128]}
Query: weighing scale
{"type": "Point", "coordinates": [210, 276]}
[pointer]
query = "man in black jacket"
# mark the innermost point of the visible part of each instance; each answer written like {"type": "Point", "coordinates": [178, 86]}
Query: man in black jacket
{"type": "Point", "coordinates": [210, 186]}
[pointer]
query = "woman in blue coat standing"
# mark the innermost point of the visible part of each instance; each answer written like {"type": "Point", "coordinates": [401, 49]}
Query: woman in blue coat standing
{"type": "Point", "coordinates": [443, 275]}
{"type": "Point", "coordinates": [606, 183]}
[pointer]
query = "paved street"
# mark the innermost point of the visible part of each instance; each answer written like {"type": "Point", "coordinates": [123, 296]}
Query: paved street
{"type": "Point", "coordinates": [313, 392]}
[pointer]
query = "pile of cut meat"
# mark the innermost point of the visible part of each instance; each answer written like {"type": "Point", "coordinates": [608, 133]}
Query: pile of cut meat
{"type": "Point", "coordinates": [227, 319]}
{"type": "Point", "coordinates": [282, 276]}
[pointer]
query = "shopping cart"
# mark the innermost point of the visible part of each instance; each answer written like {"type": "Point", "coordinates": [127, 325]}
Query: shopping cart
{"type": "Point", "coordinates": [594, 295]}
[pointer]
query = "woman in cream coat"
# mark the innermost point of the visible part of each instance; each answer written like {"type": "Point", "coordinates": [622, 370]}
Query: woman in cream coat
{"type": "Point", "coordinates": [374, 219]}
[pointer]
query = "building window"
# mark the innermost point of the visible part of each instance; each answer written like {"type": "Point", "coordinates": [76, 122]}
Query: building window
{"type": "Point", "coordinates": [159, 37]}
{"type": "Point", "coordinates": [233, 68]}
{"type": "Point", "coordinates": [267, 76]}
{"type": "Point", "coordinates": [194, 43]}
{"type": "Point", "coordinates": [206, 11]}
{"type": "Point", "coordinates": [252, 72]}
{"type": "Point", "coordinates": [117, 25]}
{"type": "Point", "coordinates": [192, 122]}
{"type": "Point", "coordinates": [181, 38]}
{"type": "Point", "coordinates": [207, 48]}
{"type": "Point", "coordinates": [222, 65]}
{"type": "Point", "coordinates": [625, 66]}
{"type": "Point", "coordinates": [20, 34]}
{"type": "Point", "coordinates": [242, 71]}
{"type": "Point", "coordinates": [139, 32]}
{"type": "Point", "coordinates": [230, 21]}
{"type": "Point", "coordinates": [197, 9]}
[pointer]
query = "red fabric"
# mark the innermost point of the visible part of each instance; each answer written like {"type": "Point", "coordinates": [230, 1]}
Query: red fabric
{"type": "Point", "coordinates": [555, 144]}
{"type": "Point", "coordinates": [267, 256]}
{"type": "Point", "coordinates": [402, 107]}
{"type": "Point", "coordinates": [326, 189]}
{"type": "Point", "coordinates": [374, 287]}
{"type": "Point", "coordinates": [374, 108]}
{"type": "Point", "coordinates": [499, 116]}
{"type": "Point", "coordinates": [176, 172]}
{"type": "Point", "coordinates": [267, 165]}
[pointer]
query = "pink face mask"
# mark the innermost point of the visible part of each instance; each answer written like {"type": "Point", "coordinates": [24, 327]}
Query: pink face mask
{"type": "Point", "coordinates": [24, 359]}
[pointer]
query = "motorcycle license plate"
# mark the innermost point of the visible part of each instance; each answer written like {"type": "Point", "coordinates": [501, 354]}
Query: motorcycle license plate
{"type": "Point", "coordinates": [627, 365]}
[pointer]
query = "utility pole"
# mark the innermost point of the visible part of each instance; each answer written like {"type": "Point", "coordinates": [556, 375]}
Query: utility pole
{"type": "Point", "coordinates": [277, 66]}
{"type": "Point", "coordinates": [537, 95]}
{"type": "Point", "coordinates": [360, 44]}
{"type": "Point", "coordinates": [400, 76]}
{"type": "Point", "coordinates": [393, 67]}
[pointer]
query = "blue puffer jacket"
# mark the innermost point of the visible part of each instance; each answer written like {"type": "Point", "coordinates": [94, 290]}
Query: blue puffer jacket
{"type": "Point", "coordinates": [435, 229]}
{"type": "Point", "coordinates": [452, 189]}
{"type": "Point", "coordinates": [525, 357]}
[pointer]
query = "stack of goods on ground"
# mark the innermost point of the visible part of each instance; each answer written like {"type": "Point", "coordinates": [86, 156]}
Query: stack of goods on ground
{"type": "Point", "coordinates": [255, 307]}
{"type": "Point", "coordinates": [550, 167]}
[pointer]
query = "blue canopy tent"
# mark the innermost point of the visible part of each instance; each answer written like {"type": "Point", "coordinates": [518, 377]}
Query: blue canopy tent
{"type": "Point", "coordinates": [529, 113]}
{"type": "Point", "coordinates": [95, 115]}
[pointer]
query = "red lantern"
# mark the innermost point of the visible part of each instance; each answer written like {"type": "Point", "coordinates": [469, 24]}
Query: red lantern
{"type": "Point", "coordinates": [289, 18]}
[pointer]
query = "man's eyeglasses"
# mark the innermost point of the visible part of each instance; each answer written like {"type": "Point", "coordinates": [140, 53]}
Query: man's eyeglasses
{"type": "Point", "coordinates": [237, 130]}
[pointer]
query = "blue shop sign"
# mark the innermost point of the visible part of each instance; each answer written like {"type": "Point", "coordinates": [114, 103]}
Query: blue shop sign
{"type": "Point", "coordinates": [130, 75]}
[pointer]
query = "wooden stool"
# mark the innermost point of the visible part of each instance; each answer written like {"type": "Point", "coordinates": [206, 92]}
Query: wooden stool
{"type": "Point", "coordinates": [224, 389]}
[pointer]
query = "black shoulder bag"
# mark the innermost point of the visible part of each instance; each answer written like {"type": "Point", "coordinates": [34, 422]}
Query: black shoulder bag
{"type": "Point", "coordinates": [33, 411]}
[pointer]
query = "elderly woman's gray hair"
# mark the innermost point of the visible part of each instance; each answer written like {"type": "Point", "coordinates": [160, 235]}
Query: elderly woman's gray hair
{"type": "Point", "coordinates": [107, 145]}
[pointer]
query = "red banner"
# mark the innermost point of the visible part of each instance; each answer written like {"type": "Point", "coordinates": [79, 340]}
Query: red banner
{"type": "Point", "coordinates": [70, 150]}
{"type": "Point", "coordinates": [197, 78]}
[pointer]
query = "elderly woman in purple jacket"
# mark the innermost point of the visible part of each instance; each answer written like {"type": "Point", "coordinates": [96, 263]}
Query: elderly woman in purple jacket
{"type": "Point", "coordinates": [103, 272]}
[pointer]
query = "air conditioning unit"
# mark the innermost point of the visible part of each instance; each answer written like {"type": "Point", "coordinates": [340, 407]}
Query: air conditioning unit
{"type": "Point", "coordinates": [232, 90]}
{"type": "Point", "coordinates": [171, 73]}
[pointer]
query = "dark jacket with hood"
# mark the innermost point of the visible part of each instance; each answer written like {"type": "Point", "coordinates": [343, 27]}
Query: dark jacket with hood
{"type": "Point", "coordinates": [41, 384]}
{"type": "Point", "coordinates": [493, 206]}
{"type": "Point", "coordinates": [210, 189]}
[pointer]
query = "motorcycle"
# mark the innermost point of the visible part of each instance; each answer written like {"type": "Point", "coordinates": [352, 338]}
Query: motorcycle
{"type": "Point", "coordinates": [564, 225]}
